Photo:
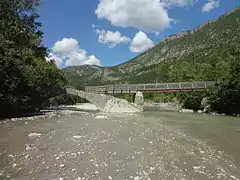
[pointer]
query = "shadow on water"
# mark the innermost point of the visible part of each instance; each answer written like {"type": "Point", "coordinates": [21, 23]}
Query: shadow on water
{"type": "Point", "coordinates": [26, 115]}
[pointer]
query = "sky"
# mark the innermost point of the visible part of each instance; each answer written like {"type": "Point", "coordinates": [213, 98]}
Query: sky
{"type": "Point", "coordinates": [110, 32]}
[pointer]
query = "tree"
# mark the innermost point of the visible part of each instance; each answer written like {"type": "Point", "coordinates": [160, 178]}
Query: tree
{"type": "Point", "coordinates": [225, 97]}
{"type": "Point", "coordinates": [25, 76]}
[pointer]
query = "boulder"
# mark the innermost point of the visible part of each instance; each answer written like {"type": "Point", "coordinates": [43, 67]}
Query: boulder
{"type": "Point", "coordinates": [205, 105]}
{"type": "Point", "coordinates": [120, 106]}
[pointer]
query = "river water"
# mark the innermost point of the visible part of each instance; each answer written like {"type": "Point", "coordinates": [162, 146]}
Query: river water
{"type": "Point", "coordinates": [148, 145]}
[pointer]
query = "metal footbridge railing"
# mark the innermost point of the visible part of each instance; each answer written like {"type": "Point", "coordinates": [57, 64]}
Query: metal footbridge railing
{"type": "Point", "coordinates": [156, 87]}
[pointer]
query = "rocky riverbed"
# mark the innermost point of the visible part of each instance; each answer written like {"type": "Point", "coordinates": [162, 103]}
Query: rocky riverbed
{"type": "Point", "coordinates": [150, 145]}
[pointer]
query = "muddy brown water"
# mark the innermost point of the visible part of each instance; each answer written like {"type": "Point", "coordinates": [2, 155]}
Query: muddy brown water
{"type": "Point", "coordinates": [149, 145]}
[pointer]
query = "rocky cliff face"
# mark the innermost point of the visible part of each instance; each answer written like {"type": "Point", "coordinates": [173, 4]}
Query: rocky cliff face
{"type": "Point", "coordinates": [202, 39]}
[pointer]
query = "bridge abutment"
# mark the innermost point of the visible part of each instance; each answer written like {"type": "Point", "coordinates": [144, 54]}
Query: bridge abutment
{"type": "Point", "coordinates": [139, 99]}
{"type": "Point", "coordinates": [107, 103]}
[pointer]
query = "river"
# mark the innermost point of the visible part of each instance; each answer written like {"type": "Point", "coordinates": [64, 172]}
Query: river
{"type": "Point", "coordinates": [148, 146]}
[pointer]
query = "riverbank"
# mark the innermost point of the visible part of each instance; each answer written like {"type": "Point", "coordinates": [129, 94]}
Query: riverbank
{"type": "Point", "coordinates": [88, 107]}
{"type": "Point", "coordinates": [47, 114]}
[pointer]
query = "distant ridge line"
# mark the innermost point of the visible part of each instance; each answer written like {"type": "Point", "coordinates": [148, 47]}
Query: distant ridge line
{"type": "Point", "coordinates": [199, 27]}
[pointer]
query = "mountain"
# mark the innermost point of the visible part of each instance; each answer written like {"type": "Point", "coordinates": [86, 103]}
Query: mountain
{"type": "Point", "coordinates": [194, 55]}
{"type": "Point", "coordinates": [79, 75]}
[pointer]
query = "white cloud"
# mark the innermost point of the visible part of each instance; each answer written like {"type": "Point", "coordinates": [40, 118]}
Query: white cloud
{"type": "Point", "coordinates": [178, 3]}
{"type": "Point", "coordinates": [210, 5]}
{"type": "Point", "coordinates": [81, 58]}
{"type": "Point", "coordinates": [149, 15]}
{"type": "Point", "coordinates": [68, 49]}
{"type": "Point", "coordinates": [58, 61]}
{"type": "Point", "coordinates": [66, 46]}
{"type": "Point", "coordinates": [141, 43]}
{"type": "Point", "coordinates": [111, 38]}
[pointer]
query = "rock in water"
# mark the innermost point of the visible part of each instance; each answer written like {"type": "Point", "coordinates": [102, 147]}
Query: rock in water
{"type": "Point", "coordinates": [139, 100]}
{"type": "Point", "coordinates": [206, 105]}
{"type": "Point", "coordinates": [34, 134]}
{"type": "Point", "coordinates": [116, 105]}
{"type": "Point", "coordinates": [186, 111]}
{"type": "Point", "coordinates": [101, 117]}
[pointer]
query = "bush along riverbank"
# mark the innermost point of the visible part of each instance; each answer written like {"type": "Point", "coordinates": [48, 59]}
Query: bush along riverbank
{"type": "Point", "coordinates": [224, 96]}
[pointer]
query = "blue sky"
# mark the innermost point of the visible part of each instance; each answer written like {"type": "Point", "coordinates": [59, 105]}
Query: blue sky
{"type": "Point", "coordinates": [109, 32]}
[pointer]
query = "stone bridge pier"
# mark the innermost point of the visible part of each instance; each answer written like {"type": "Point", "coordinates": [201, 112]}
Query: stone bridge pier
{"type": "Point", "coordinates": [139, 99]}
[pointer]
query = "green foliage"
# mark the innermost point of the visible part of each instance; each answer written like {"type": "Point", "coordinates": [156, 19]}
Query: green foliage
{"type": "Point", "coordinates": [159, 97]}
{"type": "Point", "coordinates": [192, 100]}
{"type": "Point", "coordinates": [27, 80]}
{"type": "Point", "coordinates": [225, 97]}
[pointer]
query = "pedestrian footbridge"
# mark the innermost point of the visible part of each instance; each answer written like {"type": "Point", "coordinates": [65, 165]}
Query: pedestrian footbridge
{"type": "Point", "coordinates": [156, 87]}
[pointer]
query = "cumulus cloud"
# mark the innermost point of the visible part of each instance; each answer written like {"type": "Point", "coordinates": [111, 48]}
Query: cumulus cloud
{"type": "Point", "coordinates": [58, 61]}
{"type": "Point", "coordinates": [81, 58]}
{"type": "Point", "coordinates": [210, 5]}
{"type": "Point", "coordinates": [141, 43]}
{"type": "Point", "coordinates": [111, 38]}
{"type": "Point", "coordinates": [149, 15]}
{"type": "Point", "coordinates": [68, 49]}
{"type": "Point", "coordinates": [66, 46]}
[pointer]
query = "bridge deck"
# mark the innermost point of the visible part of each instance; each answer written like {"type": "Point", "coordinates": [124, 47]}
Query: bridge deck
{"type": "Point", "coordinates": [158, 87]}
